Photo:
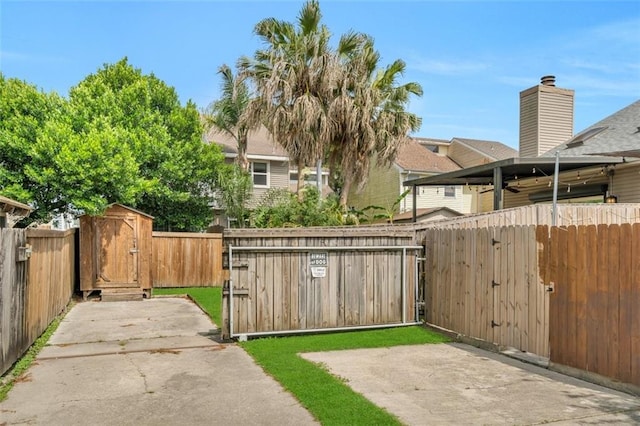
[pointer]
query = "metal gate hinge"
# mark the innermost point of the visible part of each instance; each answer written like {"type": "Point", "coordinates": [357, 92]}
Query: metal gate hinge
{"type": "Point", "coordinates": [494, 284]}
{"type": "Point", "coordinates": [494, 241]}
{"type": "Point", "coordinates": [494, 324]}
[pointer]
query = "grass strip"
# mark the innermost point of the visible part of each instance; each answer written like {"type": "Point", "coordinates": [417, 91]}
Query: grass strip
{"type": "Point", "coordinates": [208, 298]}
{"type": "Point", "coordinates": [326, 396]}
{"type": "Point", "coordinates": [15, 372]}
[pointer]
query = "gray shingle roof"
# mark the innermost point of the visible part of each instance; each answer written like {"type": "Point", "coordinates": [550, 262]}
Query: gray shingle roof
{"type": "Point", "coordinates": [492, 149]}
{"type": "Point", "coordinates": [259, 142]}
{"type": "Point", "coordinates": [621, 134]}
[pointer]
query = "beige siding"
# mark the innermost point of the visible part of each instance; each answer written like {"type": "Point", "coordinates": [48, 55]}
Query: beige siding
{"type": "Point", "coordinates": [466, 156]}
{"type": "Point", "coordinates": [278, 178]}
{"type": "Point", "coordinates": [382, 189]}
{"type": "Point", "coordinates": [556, 118]}
{"type": "Point", "coordinates": [528, 124]}
{"type": "Point", "coordinates": [279, 174]}
{"type": "Point", "coordinates": [546, 119]}
{"type": "Point", "coordinates": [485, 200]}
{"type": "Point", "coordinates": [625, 183]}
{"type": "Point", "coordinates": [433, 196]}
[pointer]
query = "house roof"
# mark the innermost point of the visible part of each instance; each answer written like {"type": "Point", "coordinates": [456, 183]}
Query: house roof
{"type": "Point", "coordinates": [598, 145]}
{"type": "Point", "coordinates": [431, 141]}
{"type": "Point", "coordinates": [259, 143]}
{"type": "Point", "coordinates": [414, 157]}
{"type": "Point", "coordinates": [618, 134]}
{"type": "Point", "coordinates": [492, 149]}
{"type": "Point", "coordinates": [424, 212]}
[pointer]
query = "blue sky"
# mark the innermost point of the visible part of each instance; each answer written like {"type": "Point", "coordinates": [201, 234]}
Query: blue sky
{"type": "Point", "coordinates": [471, 58]}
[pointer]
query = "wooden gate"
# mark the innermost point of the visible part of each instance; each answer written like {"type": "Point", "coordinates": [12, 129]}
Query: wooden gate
{"type": "Point", "coordinates": [308, 280]}
{"type": "Point", "coordinates": [484, 283]}
{"type": "Point", "coordinates": [595, 305]}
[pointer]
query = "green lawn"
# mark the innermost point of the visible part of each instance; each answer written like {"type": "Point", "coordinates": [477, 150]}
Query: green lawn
{"type": "Point", "coordinates": [328, 398]}
{"type": "Point", "coordinates": [208, 298]}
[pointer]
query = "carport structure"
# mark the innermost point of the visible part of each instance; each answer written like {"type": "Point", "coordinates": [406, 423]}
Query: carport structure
{"type": "Point", "coordinates": [500, 173]}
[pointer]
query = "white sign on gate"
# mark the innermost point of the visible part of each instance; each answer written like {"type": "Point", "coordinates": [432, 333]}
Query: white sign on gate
{"type": "Point", "coordinates": [319, 262]}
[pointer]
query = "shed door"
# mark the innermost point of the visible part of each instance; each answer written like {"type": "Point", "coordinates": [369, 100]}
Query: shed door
{"type": "Point", "coordinates": [117, 252]}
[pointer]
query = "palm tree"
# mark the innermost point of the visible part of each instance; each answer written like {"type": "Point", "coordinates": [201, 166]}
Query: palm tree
{"type": "Point", "coordinates": [294, 76]}
{"type": "Point", "coordinates": [370, 116]}
{"type": "Point", "coordinates": [228, 113]}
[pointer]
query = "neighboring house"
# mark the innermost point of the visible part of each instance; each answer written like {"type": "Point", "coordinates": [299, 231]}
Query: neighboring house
{"type": "Point", "coordinates": [617, 136]}
{"type": "Point", "coordinates": [423, 157]}
{"type": "Point", "coordinates": [268, 162]}
{"type": "Point", "coordinates": [426, 215]}
{"type": "Point", "coordinates": [384, 185]}
{"type": "Point", "coordinates": [599, 164]}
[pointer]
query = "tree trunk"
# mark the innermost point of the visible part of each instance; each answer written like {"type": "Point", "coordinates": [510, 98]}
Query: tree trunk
{"type": "Point", "coordinates": [300, 180]}
{"type": "Point", "coordinates": [242, 160]}
{"type": "Point", "coordinates": [346, 187]}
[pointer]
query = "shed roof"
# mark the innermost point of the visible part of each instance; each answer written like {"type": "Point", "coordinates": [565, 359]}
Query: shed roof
{"type": "Point", "coordinates": [126, 207]}
{"type": "Point", "coordinates": [7, 205]}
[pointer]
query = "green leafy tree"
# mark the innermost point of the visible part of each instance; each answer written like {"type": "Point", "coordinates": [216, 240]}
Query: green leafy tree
{"type": "Point", "coordinates": [177, 171]}
{"type": "Point", "coordinates": [121, 137]}
{"type": "Point", "coordinates": [24, 110]}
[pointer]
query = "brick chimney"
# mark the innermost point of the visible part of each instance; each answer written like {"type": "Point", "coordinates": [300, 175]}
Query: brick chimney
{"type": "Point", "coordinates": [546, 117]}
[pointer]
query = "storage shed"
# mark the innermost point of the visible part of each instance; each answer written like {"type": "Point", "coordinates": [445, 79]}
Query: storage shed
{"type": "Point", "coordinates": [115, 254]}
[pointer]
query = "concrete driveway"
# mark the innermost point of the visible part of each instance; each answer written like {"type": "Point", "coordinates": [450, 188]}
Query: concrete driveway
{"type": "Point", "coordinates": [460, 384]}
{"type": "Point", "coordinates": [156, 362]}
{"type": "Point", "coordinates": [153, 362]}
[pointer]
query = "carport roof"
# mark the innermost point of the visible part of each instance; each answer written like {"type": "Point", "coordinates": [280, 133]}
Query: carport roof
{"type": "Point", "coordinates": [521, 167]}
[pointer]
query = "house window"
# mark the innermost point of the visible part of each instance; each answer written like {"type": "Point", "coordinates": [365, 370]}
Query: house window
{"type": "Point", "coordinates": [260, 173]}
{"type": "Point", "coordinates": [309, 178]}
{"type": "Point", "coordinates": [450, 191]}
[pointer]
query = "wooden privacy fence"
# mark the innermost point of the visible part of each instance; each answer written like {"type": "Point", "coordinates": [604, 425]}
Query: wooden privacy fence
{"type": "Point", "coordinates": [595, 306]}
{"type": "Point", "coordinates": [296, 280]}
{"type": "Point", "coordinates": [541, 214]}
{"type": "Point", "coordinates": [182, 259]}
{"type": "Point", "coordinates": [484, 283]}
{"type": "Point", "coordinates": [34, 288]}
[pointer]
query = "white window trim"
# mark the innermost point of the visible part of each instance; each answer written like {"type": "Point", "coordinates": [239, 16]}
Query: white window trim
{"type": "Point", "coordinates": [268, 185]}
